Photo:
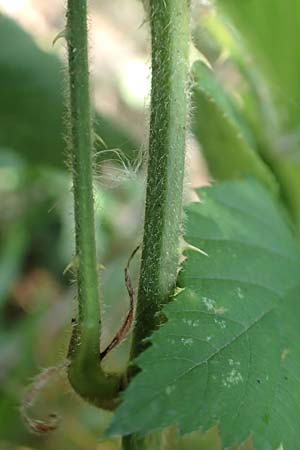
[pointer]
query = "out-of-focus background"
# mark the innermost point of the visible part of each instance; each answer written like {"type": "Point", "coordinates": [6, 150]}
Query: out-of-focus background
{"type": "Point", "coordinates": [36, 223]}
{"type": "Point", "coordinates": [251, 102]}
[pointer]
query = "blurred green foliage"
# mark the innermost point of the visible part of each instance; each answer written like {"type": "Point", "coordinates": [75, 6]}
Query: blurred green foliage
{"type": "Point", "coordinates": [259, 68]}
{"type": "Point", "coordinates": [32, 108]}
{"type": "Point", "coordinates": [226, 141]}
{"type": "Point", "coordinates": [36, 243]}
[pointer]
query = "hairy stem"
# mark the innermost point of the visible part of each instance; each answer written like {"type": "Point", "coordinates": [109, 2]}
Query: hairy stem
{"type": "Point", "coordinates": [166, 159]}
{"type": "Point", "coordinates": [163, 212]}
{"type": "Point", "coordinates": [85, 372]}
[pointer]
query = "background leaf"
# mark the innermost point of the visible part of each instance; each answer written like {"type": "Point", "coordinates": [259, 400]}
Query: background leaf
{"type": "Point", "coordinates": [228, 353]}
{"type": "Point", "coordinates": [226, 142]}
{"type": "Point", "coordinates": [265, 27]}
{"type": "Point", "coordinates": [32, 103]}
{"type": "Point", "coordinates": [262, 29]}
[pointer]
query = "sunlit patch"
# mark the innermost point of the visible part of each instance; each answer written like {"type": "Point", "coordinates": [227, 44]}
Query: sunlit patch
{"type": "Point", "coordinates": [135, 82]}
{"type": "Point", "coordinates": [12, 7]}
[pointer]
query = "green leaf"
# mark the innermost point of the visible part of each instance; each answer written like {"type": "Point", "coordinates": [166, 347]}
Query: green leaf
{"type": "Point", "coordinates": [229, 352]}
{"type": "Point", "coordinates": [226, 141]}
{"type": "Point", "coordinates": [275, 52]}
{"type": "Point", "coordinates": [270, 29]}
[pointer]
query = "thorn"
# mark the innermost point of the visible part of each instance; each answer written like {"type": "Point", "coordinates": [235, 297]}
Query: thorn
{"type": "Point", "coordinates": [195, 249]}
{"type": "Point", "coordinates": [102, 141]}
{"type": "Point", "coordinates": [71, 264]}
{"type": "Point", "coordinates": [60, 35]}
{"type": "Point", "coordinates": [178, 291]}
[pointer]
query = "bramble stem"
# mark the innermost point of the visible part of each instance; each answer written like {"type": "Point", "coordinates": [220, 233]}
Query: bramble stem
{"type": "Point", "coordinates": [85, 373]}
{"type": "Point", "coordinates": [166, 160]}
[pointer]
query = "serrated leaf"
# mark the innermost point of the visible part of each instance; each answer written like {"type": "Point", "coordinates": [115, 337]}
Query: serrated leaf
{"type": "Point", "coordinates": [226, 141]}
{"type": "Point", "coordinates": [229, 353]}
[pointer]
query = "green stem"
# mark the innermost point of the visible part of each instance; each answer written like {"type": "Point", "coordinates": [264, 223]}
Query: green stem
{"type": "Point", "coordinates": [85, 372]}
{"type": "Point", "coordinates": [166, 160]}
{"type": "Point", "coordinates": [163, 212]}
